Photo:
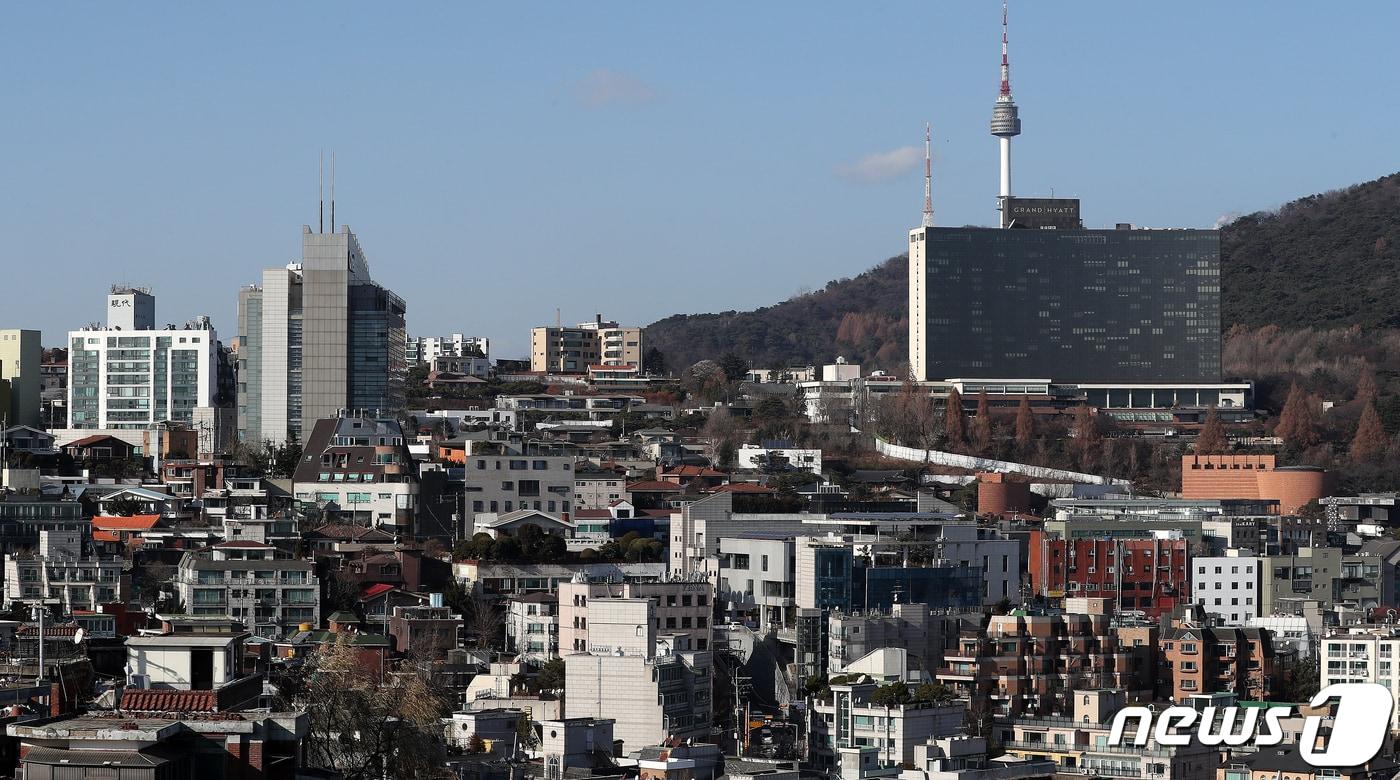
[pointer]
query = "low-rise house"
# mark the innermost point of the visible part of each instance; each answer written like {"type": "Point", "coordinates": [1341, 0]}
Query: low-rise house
{"type": "Point", "coordinates": [963, 757]}
{"type": "Point", "coordinates": [161, 747]}
{"type": "Point", "coordinates": [425, 631]}
{"type": "Point", "coordinates": [189, 653]}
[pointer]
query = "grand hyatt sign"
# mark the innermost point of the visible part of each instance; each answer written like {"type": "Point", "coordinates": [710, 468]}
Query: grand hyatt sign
{"type": "Point", "coordinates": [1060, 213]}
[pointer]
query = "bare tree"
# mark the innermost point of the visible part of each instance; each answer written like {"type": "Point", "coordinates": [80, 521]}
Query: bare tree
{"type": "Point", "coordinates": [365, 725]}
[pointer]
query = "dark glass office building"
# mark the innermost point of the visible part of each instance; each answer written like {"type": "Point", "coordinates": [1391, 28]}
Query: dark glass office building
{"type": "Point", "coordinates": [1086, 306]}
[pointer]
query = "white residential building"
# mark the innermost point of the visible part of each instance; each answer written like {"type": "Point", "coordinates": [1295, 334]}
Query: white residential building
{"type": "Point", "coordinates": [849, 720]}
{"type": "Point", "coordinates": [681, 609]}
{"type": "Point", "coordinates": [757, 572]}
{"type": "Point", "coordinates": [246, 581]}
{"type": "Point", "coordinates": [532, 627]}
{"type": "Point", "coordinates": [426, 349]}
{"type": "Point", "coordinates": [1227, 587]}
{"type": "Point", "coordinates": [76, 583]}
{"type": "Point", "coordinates": [131, 375]}
{"type": "Point", "coordinates": [201, 658]}
{"type": "Point", "coordinates": [1365, 654]}
{"type": "Point", "coordinates": [637, 678]}
{"type": "Point", "coordinates": [778, 455]}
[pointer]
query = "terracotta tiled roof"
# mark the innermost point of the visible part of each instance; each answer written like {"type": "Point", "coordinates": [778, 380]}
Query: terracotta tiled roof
{"type": "Point", "coordinates": [105, 536]}
{"type": "Point", "coordinates": [132, 523]}
{"type": "Point", "coordinates": [744, 487]}
{"type": "Point", "coordinates": [693, 471]}
{"type": "Point", "coordinates": [86, 440]}
{"type": "Point", "coordinates": [654, 485]}
{"type": "Point", "coordinates": [155, 700]}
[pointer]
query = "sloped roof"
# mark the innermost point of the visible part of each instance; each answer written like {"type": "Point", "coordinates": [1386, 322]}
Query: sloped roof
{"type": "Point", "coordinates": [158, 700]}
{"type": "Point", "coordinates": [745, 487]}
{"type": "Point", "coordinates": [654, 486]}
{"type": "Point", "coordinates": [88, 440]}
{"type": "Point", "coordinates": [118, 523]}
{"type": "Point", "coordinates": [375, 590]}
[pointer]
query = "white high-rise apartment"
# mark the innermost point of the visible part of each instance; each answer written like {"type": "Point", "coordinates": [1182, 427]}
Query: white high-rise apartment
{"type": "Point", "coordinates": [426, 349]}
{"type": "Point", "coordinates": [131, 375]}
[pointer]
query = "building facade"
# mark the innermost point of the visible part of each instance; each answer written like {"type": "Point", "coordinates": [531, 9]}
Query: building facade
{"type": "Point", "coordinates": [1072, 305]}
{"type": "Point", "coordinates": [135, 377]}
{"type": "Point", "coordinates": [21, 359]}
{"type": "Point", "coordinates": [1227, 587]}
{"type": "Point", "coordinates": [571, 350]}
{"type": "Point", "coordinates": [359, 469]}
{"type": "Point", "coordinates": [1147, 575]}
{"type": "Point", "coordinates": [248, 582]}
{"type": "Point", "coordinates": [318, 336]}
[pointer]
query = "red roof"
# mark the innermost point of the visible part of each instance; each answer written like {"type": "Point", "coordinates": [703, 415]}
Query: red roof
{"type": "Point", "coordinates": [86, 440]}
{"type": "Point", "coordinates": [654, 486]}
{"type": "Point", "coordinates": [375, 590]}
{"type": "Point", "coordinates": [105, 536]}
{"type": "Point", "coordinates": [585, 514]}
{"type": "Point", "coordinates": [693, 471]}
{"type": "Point", "coordinates": [158, 700]}
{"type": "Point", "coordinates": [132, 523]}
{"type": "Point", "coordinates": [744, 487]}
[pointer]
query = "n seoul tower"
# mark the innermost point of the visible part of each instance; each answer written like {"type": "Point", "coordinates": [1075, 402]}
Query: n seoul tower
{"type": "Point", "coordinates": [1006, 122]}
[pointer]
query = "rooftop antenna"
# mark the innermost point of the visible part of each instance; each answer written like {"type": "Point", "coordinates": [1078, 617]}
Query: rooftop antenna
{"type": "Point", "coordinates": [928, 175]}
{"type": "Point", "coordinates": [321, 189]}
{"type": "Point", "coordinates": [332, 191]}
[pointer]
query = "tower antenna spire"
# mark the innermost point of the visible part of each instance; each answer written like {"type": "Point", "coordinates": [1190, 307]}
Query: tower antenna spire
{"type": "Point", "coordinates": [1006, 123]}
{"type": "Point", "coordinates": [321, 191]}
{"type": "Point", "coordinates": [332, 190]}
{"type": "Point", "coordinates": [928, 175]}
{"type": "Point", "coordinates": [1005, 58]}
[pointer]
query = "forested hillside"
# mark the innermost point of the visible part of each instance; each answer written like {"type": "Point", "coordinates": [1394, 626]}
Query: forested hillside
{"type": "Point", "coordinates": [1325, 261]}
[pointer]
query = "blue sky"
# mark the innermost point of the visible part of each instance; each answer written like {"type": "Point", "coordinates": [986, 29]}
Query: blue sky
{"type": "Point", "coordinates": [636, 159]}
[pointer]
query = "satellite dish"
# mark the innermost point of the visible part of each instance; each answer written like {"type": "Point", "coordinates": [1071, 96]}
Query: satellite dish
{"type": "Point", "coordinates": [78, 637]}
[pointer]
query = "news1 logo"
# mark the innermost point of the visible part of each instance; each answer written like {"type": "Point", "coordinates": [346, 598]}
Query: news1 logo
{"type": "Point", "coordinates": [1358, 728]}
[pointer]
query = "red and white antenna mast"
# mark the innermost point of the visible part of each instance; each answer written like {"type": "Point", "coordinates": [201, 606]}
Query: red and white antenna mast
{"type": "Point", "coordinates": [1005, 59]}
{"type": "Point", "coordinates": [928, 175]}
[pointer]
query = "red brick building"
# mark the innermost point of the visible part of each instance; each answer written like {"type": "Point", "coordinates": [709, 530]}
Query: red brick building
{"type": "Point", "coordinates": [1147, 575]}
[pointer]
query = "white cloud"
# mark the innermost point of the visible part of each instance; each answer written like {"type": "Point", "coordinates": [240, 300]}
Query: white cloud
{"type": "Point", "coordinates": [882, 165]}
{"type": "Point", "coordinates": [605, 87]}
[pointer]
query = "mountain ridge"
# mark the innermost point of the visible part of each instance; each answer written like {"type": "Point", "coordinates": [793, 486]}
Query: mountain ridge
{"type": "Point", "coordinates": [1325, 260]}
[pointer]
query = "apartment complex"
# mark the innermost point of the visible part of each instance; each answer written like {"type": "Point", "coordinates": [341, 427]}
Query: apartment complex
{"type": "Point", "coordinates": [1035, 663]}
{"type": "Point", "coordinates": [1362, 654]}
{"type": "Point", "coordinates": [317, 337]}
{"type": "Point", "coordinates": [850, 720]}
{"type": "Point", "coordinates": [426, 349]}
{"type": "Point", "coordinates": [250, 583]}
{"type": "Point", "coordinates": [129, 374]}
{"type": "Point", "coordinates": [565, 350]}
{"type": "Point", "coordinates": [21, 360]}
{"type": "Point", "coordinates": [1203, 659]}
{"type": "Point", "coordinates": [1148, 575]}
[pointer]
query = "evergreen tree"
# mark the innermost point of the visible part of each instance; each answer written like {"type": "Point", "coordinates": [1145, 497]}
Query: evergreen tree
{"type": "Point", "coordinates": [1297, 425]}
{"type": "Point", "coordinates": [1370, 440]}
{"type": "Point", "coordinates": [982, 425]}
{"type": "Point", "coordinates": [1025, 424]}
{"type": "Point", "coordinates": [1366, 391]}
{"type": "Point", "coordinates": [955, 422]}
{"type": "Point", "coordinates": [1212, 440]}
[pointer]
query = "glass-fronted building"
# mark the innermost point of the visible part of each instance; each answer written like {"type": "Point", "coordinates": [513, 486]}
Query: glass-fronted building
{"type": "Point", "coordinates": [1079, 306]}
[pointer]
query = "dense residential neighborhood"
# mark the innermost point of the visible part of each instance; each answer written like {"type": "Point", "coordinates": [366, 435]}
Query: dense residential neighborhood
{"type": "Point", "coordinates": [1045, 498]}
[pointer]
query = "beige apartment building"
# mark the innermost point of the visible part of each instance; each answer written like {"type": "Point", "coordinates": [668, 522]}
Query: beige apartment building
{"type": "Point", "coordinates": [571, 350]}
